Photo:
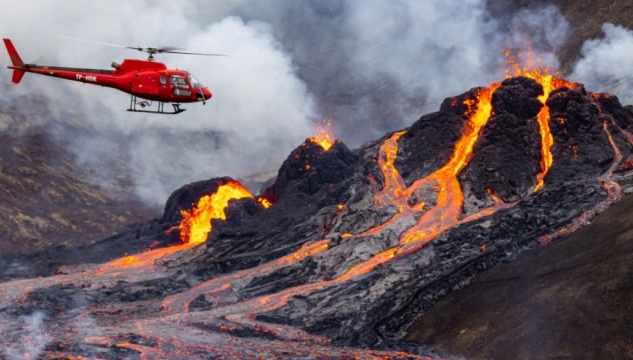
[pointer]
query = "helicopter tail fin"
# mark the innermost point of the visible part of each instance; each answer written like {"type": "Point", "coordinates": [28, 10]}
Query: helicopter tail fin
{"type": "Point", "coordinates": [13, 54]}
{"type": "Point", "coordinates": [15, 60]}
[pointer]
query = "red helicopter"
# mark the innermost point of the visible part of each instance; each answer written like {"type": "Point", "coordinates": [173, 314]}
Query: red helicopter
{"type": "Point", "coordinates": [147, 80]}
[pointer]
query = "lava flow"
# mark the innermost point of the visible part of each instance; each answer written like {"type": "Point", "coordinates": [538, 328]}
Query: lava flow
{"type": "Point", "coordinates": [450, 198]}
{"type": "Point", "coordinates": [444, 181]}
{"type": "Point", "coordinates": [444, 215]}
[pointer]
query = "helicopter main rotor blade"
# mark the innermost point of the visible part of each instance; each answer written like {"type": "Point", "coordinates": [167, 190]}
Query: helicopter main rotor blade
{"type": "Point", "coordinates": [190, 53]}
{"type": "Point", "coordinates": [169, 48]}
{"type": "Point", "coordinates": [98, 42]}
{"type": "Point", "coordinates": [161, 50]}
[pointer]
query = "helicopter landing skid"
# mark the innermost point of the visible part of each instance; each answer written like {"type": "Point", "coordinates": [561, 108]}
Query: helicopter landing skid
{"type": "Point", "coordinates": [161, 107]}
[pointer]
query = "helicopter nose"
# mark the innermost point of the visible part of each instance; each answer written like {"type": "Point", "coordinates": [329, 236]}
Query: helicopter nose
{"type": "Point", "coordinates": [206, 93]}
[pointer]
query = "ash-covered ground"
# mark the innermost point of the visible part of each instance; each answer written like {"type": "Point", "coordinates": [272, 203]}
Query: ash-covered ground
{"type": "Point", "coordinates": [356, 245]}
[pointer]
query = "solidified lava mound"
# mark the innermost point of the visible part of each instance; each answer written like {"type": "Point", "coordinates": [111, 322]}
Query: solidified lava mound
{"type": "Point", "coordinates": [346, 249]}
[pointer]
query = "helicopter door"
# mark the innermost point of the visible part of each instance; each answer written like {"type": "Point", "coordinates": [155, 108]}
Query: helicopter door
{"type": "Point", "coordinates": [146, 85]}
{"type": "Point", "coordinates": [179, 86]}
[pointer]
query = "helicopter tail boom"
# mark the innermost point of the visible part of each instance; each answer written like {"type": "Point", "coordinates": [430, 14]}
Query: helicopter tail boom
{"type": "Point", "coordinates": [15, 60]}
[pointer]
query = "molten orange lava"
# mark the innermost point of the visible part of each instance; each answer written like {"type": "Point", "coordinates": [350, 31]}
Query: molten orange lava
{"type": "Point", "coordinates": [464, 148]}
{"type": "Point", "coordinates": [324, 135]}
{"type": "Point", "coordinates": [366, 266]}
{"type": "Point", "coordinates": [181, 301]}
{"type": "Point", "coordinates": [196, 223]}
{"type": "Point", "coordinates": [534, 69]}
{"type": "Point", "coordinates": [144, 260]}
{"type": "Point", "coordinates": [264, 202]}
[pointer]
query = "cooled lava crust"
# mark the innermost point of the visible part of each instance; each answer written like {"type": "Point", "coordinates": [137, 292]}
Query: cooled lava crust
{"type": "Point", "coordinates": [352, 250]}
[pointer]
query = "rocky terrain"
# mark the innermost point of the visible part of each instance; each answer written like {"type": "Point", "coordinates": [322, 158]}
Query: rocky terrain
{"type": "Point", "coordinates": [345, 249]}
{"type": "Point", "coordinates": [48, 199]}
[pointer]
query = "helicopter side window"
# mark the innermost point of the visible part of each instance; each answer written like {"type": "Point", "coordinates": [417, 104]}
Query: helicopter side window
{"type": "Point", "coordinates": [163, 79]}
{"type": "Point", "coordinates": [195, 83]}
{"type": "Point", "coordinates": [177, 80]}
{"type": "Point", "coordinates": [181, 92]}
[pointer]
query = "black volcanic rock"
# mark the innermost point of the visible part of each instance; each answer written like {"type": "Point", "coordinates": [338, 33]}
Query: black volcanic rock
{"type": "Point", "coordinates": [309, 167]}
{"type": "Point", "coordinates": [581, 146]}
{"type": "Point", "coordinates": [451, 260]}
{"type": "Point", "coordinates": [428, 144]}
{"type": "Point", "coordinates": [507, 155]}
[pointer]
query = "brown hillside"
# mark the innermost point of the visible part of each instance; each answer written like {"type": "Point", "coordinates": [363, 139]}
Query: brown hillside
{"type": "Point", "coordinates": [46, 198]}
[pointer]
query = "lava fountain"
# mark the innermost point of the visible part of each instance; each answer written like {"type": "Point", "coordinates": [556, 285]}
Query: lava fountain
{"type": "Point", "coordinates": [196, 223]}
{"type": "Point", "coordinates": [324, 135]}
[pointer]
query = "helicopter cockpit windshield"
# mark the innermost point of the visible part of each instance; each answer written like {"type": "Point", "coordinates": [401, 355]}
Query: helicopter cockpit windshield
{"type": "Point", "coordinates": [195, 83]}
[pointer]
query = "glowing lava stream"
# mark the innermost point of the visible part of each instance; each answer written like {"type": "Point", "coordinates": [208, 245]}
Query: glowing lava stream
{"type": "Point", "coordinates": [211, 344]}
{"type": "Point", "coordinates": [448, 209]}
{"type": "Point", "coordinates": [195, 226]}
{"type": "Point", "coordinates": [549, 83]}
{"type": "Point", "coordinates": [143, 266]}
{"type": "Point", "coordinates": [196, 223]}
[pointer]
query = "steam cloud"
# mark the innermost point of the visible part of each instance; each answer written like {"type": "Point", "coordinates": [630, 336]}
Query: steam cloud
{"type": "Point", "coordinates": [370, 66]}
{"type": "Point", "coordinates": [542, 31]}
{"type": "Point", "coordinates": [33, 338]}
{"type": "Point", "coordinates": [607, 64]}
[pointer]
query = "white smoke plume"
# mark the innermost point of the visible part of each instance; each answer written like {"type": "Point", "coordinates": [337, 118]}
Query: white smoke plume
{"type": "Point", "coordinates": [378, 65]}
{"type": "Point", "coordinates": [544, 28]}
{"type": "Point", "coordinates": [84, 324]}
{"type": "Point", "coordinates": [537, 34]}
{"type": "Point", "coordinates": [607, 63]}
{"type": "Point", "coordinates": [434, 49]}
{"type": "Point", "coordinates": [33, 338]}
